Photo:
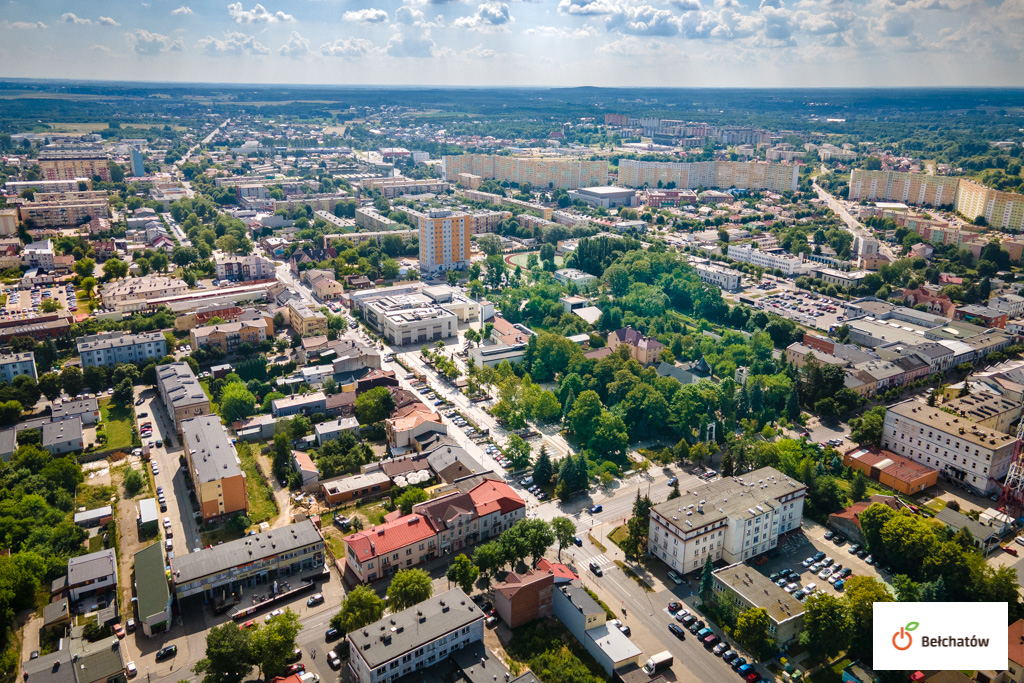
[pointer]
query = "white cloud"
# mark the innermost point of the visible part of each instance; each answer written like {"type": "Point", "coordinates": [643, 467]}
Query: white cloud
{"type": "Point", "coordinates": [586, 31]}
{"type": "Point", "coordinates": [233, 43]}
{"type": "Point", "coordinates": [686, 5]}
{"type": "Point", "coordinates": [479, 52]}
{"type": "Point", "coordinates": [897, 25]}
{"type": "Point", "coordinates": [408, 15]}
{"type": "Point", "coordinates": [107, 21]}
{"type": "Point", "coordinates": [410, 46]}
{"type": "Point", "coordinates": [296, 47]}
{"type": "Point", "coordinates": [22, 25]}
{"type": "Point", "coordinates": [72, 18]}
{"type": "Point", "coordinates": [366, 16]}
{"type": "Point", "coordinates": [182, 11]}
{"type": "Point", "coordinates": [588, 7]}
{"type": "Point", "coordinates": [645, 21]}
{"type": "Point", "coordinates": [349, 48]}
{"type": "Point", "coordinates": [257, 15]}
{"type": "Point", "coordinates": [488, 15]}
{"type": "Point", "coordinates": [145, 43]}
{"type": "Point", "coordinates": [104, 50]}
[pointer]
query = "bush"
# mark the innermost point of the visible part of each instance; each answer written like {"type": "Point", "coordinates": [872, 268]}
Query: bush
{"type": "Point", "coordinates": [238, 524]}
{"type": "Point", "coordinates": [133, 483]}
{"type": "Point", "coordinates": [953, 505]}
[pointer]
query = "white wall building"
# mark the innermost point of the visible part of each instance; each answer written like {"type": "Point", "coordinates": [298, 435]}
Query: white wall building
{"type": "Point", "coordinates": [788, 264]}
{"type": "Point", "coordinates": [18, 364]}
{"type": "Point", "coordinates": [723, 278]}
{"type": "Point", "coordinates": [110, 348]}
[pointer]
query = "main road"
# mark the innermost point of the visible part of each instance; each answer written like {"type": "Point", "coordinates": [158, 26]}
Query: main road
{"type": "Point", "coordinates": [852, 224]}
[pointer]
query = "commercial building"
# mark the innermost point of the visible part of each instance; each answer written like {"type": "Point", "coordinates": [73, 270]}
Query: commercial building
{"type": "Point", "coordinates": [963, 451]}
{"type": "Point", "coordinates": [841, 278]}
{"type": "Point", "coordinates": [408, 425]}
{"type": "Point", "coordinates": [135, 293]}
{"type": "Point", "coordinates": [744, 175]}
{"type": "Point", "coordinates": [770, 260]}
{"type": "Point", "coordinates": [243, 268]}
{"type": "Point", "coordinates": [606, 196]}
{"type": "Point", "coordinates": [411, 318]}
{"type": "Point", "coordinates": [898, 473]}
{"type": "Point", "coordinates": [181, 392]}
{"type": "Point", "coordinates": [415, 638]}
{"type": "Point", "coordinates": [988, 410]}
{"type": "Point", "coordinates": [250, 328]}
{"type": "Point", "coordinates": [18, 364]}
{"type": "Point", "coordinates": [63, 436]}
{"type": "Point", "coordinates": [385, 548]}
{"type": "Point", "coordinates": [214, 468]}
{"type": "Point", "coordinates": [538, 172]}
{"type": "Point", "coordinates": [574, 276]}
{"type": "Point", "coordinates": [74, 164]}
{"type": "Point", "coordinates": [723, 278]}
{"type": "Point", "coordinates": [251, 561]}
{"type": "Point", "coordinates": [586, 620]}
{"type": "Point", "coordinates": [354, 487]}
{"type": "Point", "coordinates": [731, 519]}
{"type": "Point", "coordinates": [748, 588]}
{"type": "Point", "coordinates": [444, 239]}
{"type": "Point", "coordinates": [93, 518]}
{"type": "Point", "coordinates": [153, 593]}
{"type": "Point", "coordinates": [396, 187]}
{"type": "Point", "coordinates": [110, 348]}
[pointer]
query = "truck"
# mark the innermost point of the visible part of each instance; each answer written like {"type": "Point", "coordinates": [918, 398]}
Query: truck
{"type": "Point", "coordinates": [658, 662]}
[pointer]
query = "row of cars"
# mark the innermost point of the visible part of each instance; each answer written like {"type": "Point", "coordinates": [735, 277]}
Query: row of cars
{"type": "Point", "coordinates": [710, 641]}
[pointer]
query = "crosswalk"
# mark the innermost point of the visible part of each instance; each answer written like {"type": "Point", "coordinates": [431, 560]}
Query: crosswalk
{"type": "Point", "coordinates": [598, 559]}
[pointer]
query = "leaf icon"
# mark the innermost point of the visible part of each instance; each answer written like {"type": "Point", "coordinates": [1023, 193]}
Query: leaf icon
{"type": "Point", "coordinates": [912, 626]}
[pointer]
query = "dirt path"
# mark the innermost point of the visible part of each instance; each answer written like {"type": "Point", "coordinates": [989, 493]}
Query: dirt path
{"type": "Point", "coordinates": [282, 496]}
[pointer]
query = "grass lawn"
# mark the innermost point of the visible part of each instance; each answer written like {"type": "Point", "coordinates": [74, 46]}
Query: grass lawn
{"type": "Point", "coordinates": [117, 423]}
{"type": "Point", "coordinates": [262, 506]}
{"type": "Point", "coordinates": [91, 497]}
{"type": "Point", "coordinates": [214, 406]}
{"type": "Point", "coordinates": [335, 543]}
{"type": "Point", "coordinates": [832, 674]}
{"type": "Point", "coordinates": [618, 535]}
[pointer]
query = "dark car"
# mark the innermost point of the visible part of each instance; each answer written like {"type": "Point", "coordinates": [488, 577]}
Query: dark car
{"type": "Point", "coordinates": [862, 554]}
{"type": "Point", "coordinates": [597, 508]}
{"type": "Point", "coordinates": [166, 652]}
{"type": "Point", "coordinates": [295, 656]}
{"type": "Point", "coordinates": [296, 668]}
{"type": "Point", "coordinates": [677, 631]}
{"type": "Point", "coordinates": [578, 541]}
{"type": "Point", "coordinates": [696, 626]}
{"type": "Point", "coordinates": [737, 663]}
{"type": "Point", "coordinates": [314, 600]}
{"type": "Point", "coordinates": [675, 607]}
{"type": "Point", "coordinates": [819, 556]}
{"type": "Point", "coordinates": [829, 535]}
{"type": "Point", "coordinates": [729, 656]}
{"type": "Point", "coordinates": [332, 634]}
{"type": "Point", "coordinates": [689, 619]}
{"type": "Point", "coordinates": [596, 568]}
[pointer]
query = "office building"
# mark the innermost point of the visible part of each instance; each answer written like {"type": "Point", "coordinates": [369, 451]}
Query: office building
{"type": "Point", "coordinates": [74, 164]}
{"type": "Point", "coordinates": [181, 392]}
{"type": "Point", "coordinates": [411, 318]}
{"type": "Point", "coordinates": [134, 293]}
{"type": "Point", "coordinates": [723, 278]}
{"type": "Point", "coordinates": [731, 519]}
{"type": "Point", "coordinates": [214, 467]}
{"type": "Point", "coordinates": [742, 175]}
{"type": "Point", "coordinates": [18, 364]}
{"type": "Point", "coordinates": [415, 638]}
{"type": "Point", "coordinates": [964, 451]}
{"type": "Point", "coordinates": [444, 240]}
{"type": "Point", "coordinates": [138, 164]}
{"type": "Point", "coordinates": [769, 260]}
{"type": "Point", "coordinates": [244, 268]}
{"type": "Point", "coordinates": [747, 588]}
{"type": "Point", "coordinates": [538, 172]}
{"type": "Point", "coordinates": [251, 561]}
{"type": "Point", "coordinates": [110, 348]}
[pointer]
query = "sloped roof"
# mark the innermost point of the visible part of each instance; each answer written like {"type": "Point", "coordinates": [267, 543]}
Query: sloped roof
{"type": "Point", "coordinates": [388, 537]}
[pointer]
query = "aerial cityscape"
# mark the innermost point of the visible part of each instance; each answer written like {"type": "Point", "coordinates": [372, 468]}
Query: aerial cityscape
{"type": "Point", "coordinates": [536, 343]}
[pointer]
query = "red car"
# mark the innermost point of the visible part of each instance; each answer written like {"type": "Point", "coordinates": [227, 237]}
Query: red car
{"type": "Point", "coordinates": [118, 631]}
{"type": "Point", "coordinates": [753, 676]}
{"type": "Point", "coordinates": [295, 669]}
{"type": "Point", "coordinates": [248, 624]}
{"type": "Point", "coordinates": [1010, 549]}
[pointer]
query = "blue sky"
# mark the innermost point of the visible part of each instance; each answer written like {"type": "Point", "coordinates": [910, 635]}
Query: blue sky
{"type": "Point", "coordinates": [496, 42]}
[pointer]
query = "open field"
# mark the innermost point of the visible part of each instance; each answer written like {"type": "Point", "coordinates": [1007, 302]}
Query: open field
{"type": "Point", "coordinates": [117, 422]}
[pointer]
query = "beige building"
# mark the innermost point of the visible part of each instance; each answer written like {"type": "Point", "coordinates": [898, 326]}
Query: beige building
{"type": "Point", "coordinates": [305, 321]}
{"type": "Point", "coordinates": [133, 293]}
{"type": "Point", "coordinates": [988, 410]}
{"type": "Point", "coordinates": [214, 468]}
{"type": "Point", "coordinates": [59, 209]}
{"type": "Point", "coordinates": [747, 175]}
{"type": "Point", "coordinates": [1000, 209]}
{"type": "Point", "coordinates": [73, 164]}
{"type": "Point", "coordinates": [396, 187]}
{"type": "Point", "coordinates": [444, 240]}
{"type": "Point", "coordinates": [252, 327]}
{"type": "Point", "coordinates": [181, 392]}
{"type": "Point", "coordinates": [748, 588]}
{"type": "Point", "coordinates": [370, 219]}
{"type": "Point", "coordinates": [538, 172]}
{"type": "Point", "coordinates": [8, 222]}
{"type": "Point", "coordinates": [894, 186]}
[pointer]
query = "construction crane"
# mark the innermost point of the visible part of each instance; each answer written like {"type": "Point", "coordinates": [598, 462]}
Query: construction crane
{"type": "Point", "coordinates": [1011, 501]}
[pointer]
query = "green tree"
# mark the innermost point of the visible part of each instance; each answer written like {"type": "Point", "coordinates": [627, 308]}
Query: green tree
{"type": "Point", "coordinates": [274, 642]}
{"type": "Point", "coordinates": [374, 405]}
{"type": "Point", "coordinates": [862, 592]}
{"type": "Point", "coordinates": [132, 482]}
{"type": "Point", "coordinates": [867, 429]}
{"type": "Point", "coordinates": [858, 487]}
{"type": "Point", "coordinates": [88, 285]}
{"type": "Point", "coordinates": [826, 625]}
{"type": "Point", "coordinates": [236, 402]}
{"type": "Point", "coordinates": [872, 520]}
{"type": "Point", "coordinates": [547, 409]}
{"type": "Point", "coordinates": [389, 269]}
{"type": "Point", "coordinates": [411, 496]}
{"type": "Point", "coordinates": [609, 437]}
{"type": "Point", "coordinates": [360, 607]}
{"type": "Point", "coordinates": [585, 411]}
{"type": "Point", "coordinates": [707, 581]}
{"type": "Point", "coordinates": [463, 573]}
{"type": "Point", "coordinates": [114, 269]}
{"type": "Point", "coordinates": [518, 452]}
{"type": "Point", "coordinates": [71, 380]}
{"type": "Point", "coordinates": [565, 531]}
{"type": "Point", "coordinates": [84, 267]}
{"type": "Point", "coordinates": [753, 631]}
{"type": "Point", "coordinates": [489, 558]}
{"type": "Point", "coordinates": [408, 587]}
{"type": "Point", "coordinates": [50, 385]}
{"type": "Point", "coordinates": [229, 655]}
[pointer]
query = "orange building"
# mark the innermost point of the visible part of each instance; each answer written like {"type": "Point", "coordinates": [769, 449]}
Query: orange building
{"type": "Point", "coordinates": [444, 239]}
{"type": "Point", "coordinates": [898, 473]}
{"type": "Point", "coordinates": [214, 468]}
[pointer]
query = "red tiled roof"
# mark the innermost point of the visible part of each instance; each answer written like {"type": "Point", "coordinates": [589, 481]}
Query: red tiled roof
{"type": "Point", "coordinates": [1015, 646]}
{"type": "Point", "coordinates": [491, 496]}
{"type": "Point", "coordinates": [303, 460]}
{"type": "Point", "coordinates": [388, 537]}
{"type": "Point", "coordinates": [513, 582]}
{"type": "Point", "coordinates": [853, 511]}
{"type": "Point", "coordinates": [558, 569]}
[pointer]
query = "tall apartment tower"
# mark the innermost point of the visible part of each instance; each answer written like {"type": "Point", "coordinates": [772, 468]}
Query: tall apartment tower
{"type": "Point", "coordinates": [138, 165]}
{"type": "Point", "coordinates": [444, 240]}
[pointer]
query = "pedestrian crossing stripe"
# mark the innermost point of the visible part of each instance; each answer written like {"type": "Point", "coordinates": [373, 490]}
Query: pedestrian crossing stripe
{"type": "Point", "coordinates": [600, 560]}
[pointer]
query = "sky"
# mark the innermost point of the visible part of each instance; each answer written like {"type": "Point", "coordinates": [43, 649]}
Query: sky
{"type": "Point", "coordinates": [671, 43]}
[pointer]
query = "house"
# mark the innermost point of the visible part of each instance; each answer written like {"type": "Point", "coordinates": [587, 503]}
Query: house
{"type": "Point", "coordinates": [522, 598]}
{"type": "Point", "coordinates": [644, 349]}
{"type": "Point", "coordinates": [153, 601]}
{"type": "Point", "coordinates": [95, 517]}
{"type": "Point", "coordinates": [309, 474]}
{"type": "Point", "coordinates": [333, 429]}
{"type": "Point", "coordinates": [585, 619]}
{"type": "Point", "coordinates": [300, 404]}
{"type": "Point", "coordinates": [1014, 671]}
{"type": "Point", "coordinates": [452, 463]}
{"type": "Point", "coordinates": [64, 436]}
{"type": "Point", "coordinates": [356, 486]}
{"type": "Point", "coordinates": [87, 409]}
{"type": "Point", "coordinates": [148, 517]}
{"type": "Point", "coordinates": [846, 522]}
{"type": "Point", "coordinates": [92, 575]}
{"type": "Point", "coordinates": [407, 425]}
{"type": "Point", "coordinates": [560, 572]}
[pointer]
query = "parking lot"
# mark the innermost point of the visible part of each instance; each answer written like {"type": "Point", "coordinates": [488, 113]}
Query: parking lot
{"type": "Point", "coordinates": [28, 303]}
{"type": "Point", "coordinates": [806, 308]}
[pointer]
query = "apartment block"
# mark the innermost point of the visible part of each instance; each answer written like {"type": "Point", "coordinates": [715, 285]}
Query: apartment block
{"type": "Point", "coordinates": [415, 638]}
{"type": "Point", "coordinates": [60, 209]}
{"type": "Point", "coordinates": [788, 264]}
{"type": "Point", "coordinates": [243, 268]}
{"type": "Point", "coordinates": [305, 321]}
{"type": "Point", "coordinates": [74, 164]}
{"type": "Point", "coordinates": [1001, 209]}
{"type": "Point", "coordinates": [487, 221]}
{"type": "Point", "coordinates": [962, 450]}
{"type": "Point", "coordinates": [110, 348]}
{"type": "Point", "coordinates": [539, 172]}
{"type": "Point", "coordinates": [134, 293]}
{"type": "Point", "coordinates": [214, 468]}
{"type": "Point", "coordinates": [744, 175]}
{"type": "Point", "coordinates": [747, 588]}
{"type": "Point", "coordinates": [731, 519]}
{"type": "Point", "coordinates": [318, 202]}
{"type": "Point", "coordinates": [181, 392]}
{"type": "Point", "coordinates": [369, 218]}
{"type": "Point", "coordinates": [252, 328]}
{"type": "Point", "coordinates": [444, 240]}
{"type": "Point", "coordinates": [723, 278]}
{"type": "Point", "coordinates": [397, 187]}
{"type": "Point", "coordinates": [894, 186]}
{"type": "Point", "coordinates": [18, 364]}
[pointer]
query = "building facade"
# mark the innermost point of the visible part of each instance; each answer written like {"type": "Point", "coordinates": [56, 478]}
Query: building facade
{"type": "Point", "coordinates": [181, 392]}
{"type": "Point", "coordinates": [745, 175]}
{"type": "Point", "coordinates": [214, 468]}
{"type": "Point", "coordinates": [74, 164]}
{"type": "Point", "coordinates": [243, 268]}
{"type": "Point", "coordinates": [107, 349]}
{"type": "Point", "coordinates": [18, 364]}
{"type": "Point", "coordinates": [444, 239]}
{"type": "Point", "coordinates": [538, 172]}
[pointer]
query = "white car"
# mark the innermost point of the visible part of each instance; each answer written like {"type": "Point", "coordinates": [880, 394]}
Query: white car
{"type": "Point", "coordinates": [131, 669]}
{"type": "Point", "coordinates": [275, 613]}
{"type": "Point", "coordinates": [169, 544]}
{"type": "Point", "coordinates": [825, 573]}
{"type": "Point", "coordinates": [810, 588]}
{"type": "Point", "coordinates": [791, 588]}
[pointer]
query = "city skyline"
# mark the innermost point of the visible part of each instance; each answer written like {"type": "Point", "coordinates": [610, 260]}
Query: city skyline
{"type": "Point", "coordinates": [700, 43]}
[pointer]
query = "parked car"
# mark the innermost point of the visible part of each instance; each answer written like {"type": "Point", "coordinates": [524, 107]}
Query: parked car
{"type": "Point", "coordinates": [677, 631]}
{"type": "Point", "coordinates": [118, 630]}
{"type": "Point", "coordinates": [1010, 549]}
{"type": "Point", "coordinates": [853, 549]}
{"type": "Point", "coordinates": [721, 648]}
{"type": "Point", "coordinates": [166, 652]}
{"type": "Point", "coordinates": [333, 660]}
{"type": "Point", "coordinates": [314, 600]}
{"type": "Point", "coordinates": [674, 607]}
{"type": "Point", "coordinates": [332, 634]}
{"type": "Point", "coordinates": [675, 578]}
